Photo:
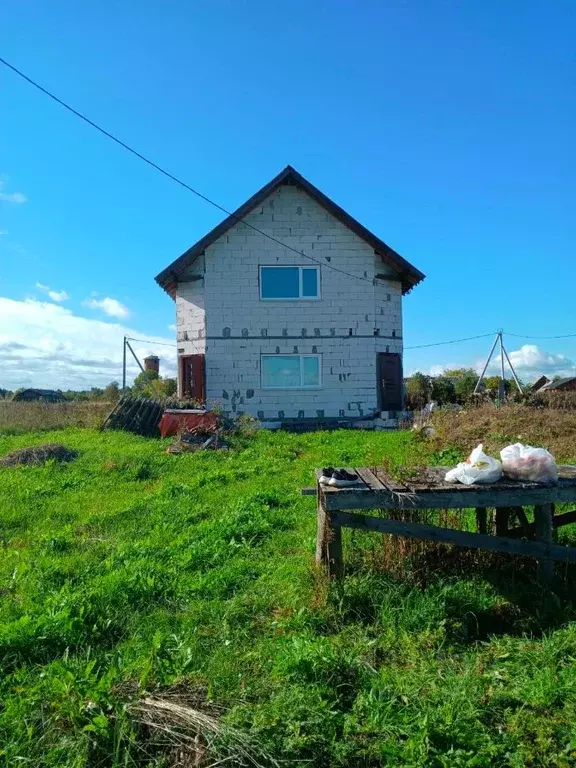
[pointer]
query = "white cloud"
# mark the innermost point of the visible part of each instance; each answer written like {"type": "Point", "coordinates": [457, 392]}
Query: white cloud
{"type": "Point", "coordinates": [54, 295]}
{"type": "Point", "coordinates": [58, 295]}
{"type": "Point", "coordinates": [3, 232]}
{"type": "Point", "coordinates": [530, 361]}
{"type": "Point", "coordinates": [12, 197]}
{"type": "Point", "coordinates": [109, 306]}
{"type": "Point", "coordinates": [172, 327]}
{"type": "Point", "coordinates": [46, 345]}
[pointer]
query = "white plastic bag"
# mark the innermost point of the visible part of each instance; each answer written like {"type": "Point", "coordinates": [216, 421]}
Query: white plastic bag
{"type": "Point", "coordinates": [478, 468]}
{"type": "Point", "coordinates": [523, 462]}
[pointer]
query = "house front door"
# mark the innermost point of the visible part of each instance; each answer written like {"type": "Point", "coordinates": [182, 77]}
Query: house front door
{"type": "Point", "coordinates": [193, 377]}
{"type": "Point", "coordinates": [389, 372]}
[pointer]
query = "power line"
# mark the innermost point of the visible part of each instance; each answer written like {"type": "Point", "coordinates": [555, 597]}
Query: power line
{"type": "Point", "coordinates": [147, 341]}
{"type": "Point", "coordinates": [171, 176]}
{"type": "Point", "coordinates": [452, 341]}
{"type": "Point", "coordinates": [520, 336]}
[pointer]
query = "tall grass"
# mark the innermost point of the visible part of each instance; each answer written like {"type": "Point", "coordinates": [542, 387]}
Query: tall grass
{"type": "Point", "coordinates": [497, 427]}
{"type": "Point", "coordinates": [18, 417]}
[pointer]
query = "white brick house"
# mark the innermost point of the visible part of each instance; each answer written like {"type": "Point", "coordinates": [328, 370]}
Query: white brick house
{"type": "Point", "coordinates": [311, 333]}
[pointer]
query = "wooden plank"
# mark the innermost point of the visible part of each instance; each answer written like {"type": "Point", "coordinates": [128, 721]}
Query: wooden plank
{"type": "Point", "coordinates": [363, 498]}
{"type": "Point", "coordinates": [557, 522]}
{"type": "Point", "coordinates": [566, 474]}
{"type": "Point", "coordinates": [371, 480]}
{"type": "Point", "coordinates": [396, 486]}
{"type": "Point", "coordinates": [450, 536]}
{"type": "Point", "coordinates": [545, 537]}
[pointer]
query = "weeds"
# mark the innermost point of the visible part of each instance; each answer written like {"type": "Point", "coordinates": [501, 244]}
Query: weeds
{"type": "Point", "coordinates": [20, 417]}
{"type": "Point", "coordinates": [498, 427]}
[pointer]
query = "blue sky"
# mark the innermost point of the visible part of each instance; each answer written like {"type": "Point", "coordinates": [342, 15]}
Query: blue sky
{"type": "Point", "coordinates": [447, 128]}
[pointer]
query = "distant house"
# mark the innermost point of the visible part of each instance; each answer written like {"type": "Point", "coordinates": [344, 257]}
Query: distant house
{"type": "Point", "coordinates": [540, 382]}
{"type": "Point", "coordinates": [43, 395]}
{"type": "Point", "coordinates": [561, 385]}
{"type": "Point", "coordinates": [291, 309]}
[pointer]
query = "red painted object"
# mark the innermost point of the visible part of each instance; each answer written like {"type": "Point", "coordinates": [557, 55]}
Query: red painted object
{"type": "Point", "coordinates": [175, 421]}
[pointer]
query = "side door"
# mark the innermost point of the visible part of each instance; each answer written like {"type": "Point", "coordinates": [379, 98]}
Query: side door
{"type": "Point", "coordinates": [193, 377]}
{"type": "Point", "coordinates": [389, 372]}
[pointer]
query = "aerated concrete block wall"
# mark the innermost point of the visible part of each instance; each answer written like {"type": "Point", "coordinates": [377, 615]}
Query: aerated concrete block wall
{"type": "Point", "coordinates": [224, 317]}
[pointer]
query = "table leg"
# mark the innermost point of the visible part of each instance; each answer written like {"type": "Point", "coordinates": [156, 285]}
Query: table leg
{"type": "Point", "coordinates": [544, 534]}
{"type": "Point", "coordinates": [481, 520]}
{"type": "Point", "coordinates": [501, 520]}
{"type": "Point", "coordinates": [328, 541]}
{"type": "Point", "coordinates": [523, 520]}
{"type": "Point", "coordinates": [335, 559]}
{"type": "Point", "coordinates": [322, 533]}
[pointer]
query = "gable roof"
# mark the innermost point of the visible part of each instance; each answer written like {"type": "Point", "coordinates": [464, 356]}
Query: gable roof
{"type": "Point", "coordinates": [558, 384]}
{"type": "Point", "coordinates": [408, 274]}
{"type": "Point", "coordinates": [540, 382]}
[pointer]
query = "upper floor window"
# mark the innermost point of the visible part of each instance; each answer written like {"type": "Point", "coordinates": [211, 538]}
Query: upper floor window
{"type": "Point", "coordinates": [287, 283]}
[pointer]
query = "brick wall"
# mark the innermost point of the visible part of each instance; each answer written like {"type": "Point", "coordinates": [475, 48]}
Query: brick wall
{"type": "Point", "coordinates": [223, 316]}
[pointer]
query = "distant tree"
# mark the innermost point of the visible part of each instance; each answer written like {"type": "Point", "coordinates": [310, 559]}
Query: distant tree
{"type": "Point", "coordinates": [5, 394]}
{"type": "Point", "coordinates": [111, 393]}
{"type": "Point", "coordinates": [168, 386]}
{"type": "Point", "coordinates": [464, 386]}
{"type": "Point", "coordinates": [417, 391]}
{"type": "Point", "coordinates": [143, 386]}
{"type": "Point", "coordinates": [460, 372]}
{"type": "Point", "coordinates": [443, 390]}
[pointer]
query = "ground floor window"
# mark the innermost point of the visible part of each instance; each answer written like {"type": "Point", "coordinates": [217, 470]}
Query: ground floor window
{"type": "Point", "coordinates": [290, 371]}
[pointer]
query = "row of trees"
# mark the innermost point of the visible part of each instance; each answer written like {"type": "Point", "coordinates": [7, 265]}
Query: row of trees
{"type": "Point", "coordinates": [146, 384]}
{"type": "Point", "coordinates": [453, 386]}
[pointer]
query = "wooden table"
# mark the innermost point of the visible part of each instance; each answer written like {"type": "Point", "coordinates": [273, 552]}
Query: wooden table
{"type": "Point", "coordinates": [375, 490]}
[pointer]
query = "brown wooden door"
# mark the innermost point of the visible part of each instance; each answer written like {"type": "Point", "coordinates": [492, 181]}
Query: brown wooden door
{"type": "Point", "coordinates": [193, 377]}
{"type": "Point", "coordinates": [389, 368]}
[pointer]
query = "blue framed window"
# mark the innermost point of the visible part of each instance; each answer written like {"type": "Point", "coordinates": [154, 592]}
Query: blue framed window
{"type": "Point", "coordinates": [289, 283]}
{"type": "Point", "coordinates": [290, 371]}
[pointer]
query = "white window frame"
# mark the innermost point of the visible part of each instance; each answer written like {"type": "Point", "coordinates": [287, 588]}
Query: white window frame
{"type": "Point", "coordinates": [301, 385]}
{"type": "Point", "coordinates": [290, 266]}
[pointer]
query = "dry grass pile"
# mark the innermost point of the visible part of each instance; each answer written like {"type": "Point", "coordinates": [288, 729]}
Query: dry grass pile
{"type": "Point", "coordinates": [498, 427]}
{"type": "Point", "coordinates": [18, 417]}
{"type": "Point", "coordinates": [36, 455]}
{"type": "Point", "coordinates": [194, 738]}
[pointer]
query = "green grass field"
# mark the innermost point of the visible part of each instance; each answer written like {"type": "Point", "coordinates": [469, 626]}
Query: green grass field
{"type": "Point", "coordinates": [130, 572]}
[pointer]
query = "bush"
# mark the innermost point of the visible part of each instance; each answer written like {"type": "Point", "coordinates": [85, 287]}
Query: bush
{"type": "Point", "coordinates": [417, 392]}
{"type": "Point", "coordinates": [443, 391]}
